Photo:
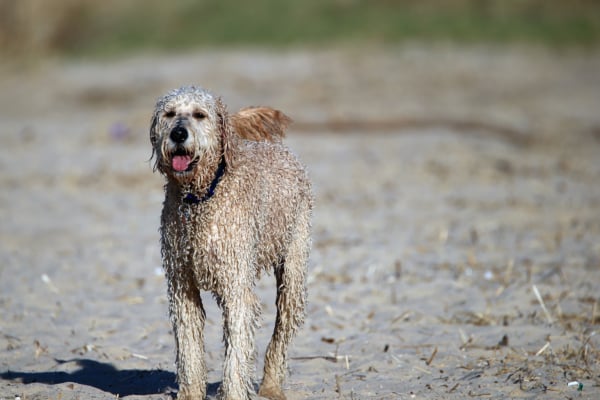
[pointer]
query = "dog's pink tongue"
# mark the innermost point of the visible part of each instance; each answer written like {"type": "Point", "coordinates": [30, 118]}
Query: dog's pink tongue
{"type": "Point", "coordinates": [181, 163]}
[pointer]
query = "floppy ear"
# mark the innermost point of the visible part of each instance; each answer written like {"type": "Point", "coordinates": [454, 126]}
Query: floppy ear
{"type": "Point", "coordinates": [227, 133]}
{"type": "Point", "coordinates": [260, 123]}
{"type": "Point", "coordinates": [154, 139]}
{"type": "Point", "coordinates": [153, 134]}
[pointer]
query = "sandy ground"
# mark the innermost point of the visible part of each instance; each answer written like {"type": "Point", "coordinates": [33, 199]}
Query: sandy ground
{"type": "Point", "coordinates": [453, 185]}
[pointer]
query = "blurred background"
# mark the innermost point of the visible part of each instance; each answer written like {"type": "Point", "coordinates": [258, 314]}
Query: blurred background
{"type": "Point", "coordinates": [111, 28]}
{"type": "Point", "coordinates": [453, 145]}
{"type": "Point", "coordinates": [448, 62]}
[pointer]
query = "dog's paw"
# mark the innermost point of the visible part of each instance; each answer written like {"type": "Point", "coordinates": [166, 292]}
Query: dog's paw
{"type": "Point", "coordinates": [271, 392]}
{"type": "Point", "coordinates": [188, 393]}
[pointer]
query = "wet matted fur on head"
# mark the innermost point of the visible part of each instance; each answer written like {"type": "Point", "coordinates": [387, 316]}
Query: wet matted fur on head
{"type": "Point", "coordinates": [237, 203]}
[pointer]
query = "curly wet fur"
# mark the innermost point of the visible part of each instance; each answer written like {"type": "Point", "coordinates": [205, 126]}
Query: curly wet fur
{"type": "Point", "coordinates": [258, 219]}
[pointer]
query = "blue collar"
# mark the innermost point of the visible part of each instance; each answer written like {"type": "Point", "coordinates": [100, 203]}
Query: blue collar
{"type": "Point", "coordinates": [191, 198]}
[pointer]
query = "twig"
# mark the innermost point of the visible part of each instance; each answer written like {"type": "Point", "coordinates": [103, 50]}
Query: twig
{"type": "Point", "coordinates": [333, 358]}
{"type": "Point", "coordinates": [541, 301]}
{"type": "Point", "coordinates": [308, 358]}
{"type": "Point", "coordinates": [540, 351]}
{"type": "Point", "coordinates": [422, 370]}
{"type": "Point", "coordinates": [431, 357]}
{"type": "Point", "coordinates": [404, 316]}
{"type": "Point", "coordinates": [453, 388]}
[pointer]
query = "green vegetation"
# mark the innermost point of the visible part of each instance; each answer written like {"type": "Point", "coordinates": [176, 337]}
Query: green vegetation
{"type": "Point", "coordinates": [148, 24]}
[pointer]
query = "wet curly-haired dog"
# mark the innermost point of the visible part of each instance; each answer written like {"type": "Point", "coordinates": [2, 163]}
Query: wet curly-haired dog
{"type": "Point", "coordinates": [237, 203]}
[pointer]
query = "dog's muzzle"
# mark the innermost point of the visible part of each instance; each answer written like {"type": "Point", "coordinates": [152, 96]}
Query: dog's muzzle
{"type": "Point", "coordinates": [181, 160]}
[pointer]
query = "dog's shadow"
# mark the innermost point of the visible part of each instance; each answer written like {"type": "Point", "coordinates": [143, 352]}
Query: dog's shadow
{"type": "Point", "coordinates": [108, 378]}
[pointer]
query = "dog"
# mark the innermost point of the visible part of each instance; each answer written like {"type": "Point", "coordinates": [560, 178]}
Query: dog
{"type": "Point", "coordinates": [237, 203]}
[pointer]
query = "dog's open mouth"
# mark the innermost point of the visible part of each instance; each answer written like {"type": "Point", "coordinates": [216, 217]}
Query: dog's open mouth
{"type": "Point", "coordinates": [182, 161]}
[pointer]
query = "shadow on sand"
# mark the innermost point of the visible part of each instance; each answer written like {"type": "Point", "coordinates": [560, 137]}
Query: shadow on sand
{"type": "Point", "coordinates": [107, 378]}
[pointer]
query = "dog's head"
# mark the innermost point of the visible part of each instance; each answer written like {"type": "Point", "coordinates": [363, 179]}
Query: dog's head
{"type": "Point", "coordinates": [189, 125]}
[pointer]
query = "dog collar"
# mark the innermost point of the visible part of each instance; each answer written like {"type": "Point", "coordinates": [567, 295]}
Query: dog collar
{"type": "Point", "coordinates": [191, 198]}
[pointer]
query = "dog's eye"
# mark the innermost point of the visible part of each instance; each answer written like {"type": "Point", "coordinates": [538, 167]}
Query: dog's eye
{"type": "Point", "coordinates": [198, 115]}
{"type": "Point", "coordinates": [169, 114]}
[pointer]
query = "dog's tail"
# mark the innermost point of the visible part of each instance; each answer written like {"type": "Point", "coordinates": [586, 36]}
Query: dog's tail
{"type": "Point", "coordinates": [260, 123]}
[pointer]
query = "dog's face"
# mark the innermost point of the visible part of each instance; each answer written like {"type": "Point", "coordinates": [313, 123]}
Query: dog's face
{"type": "Point", "coordinates": [187, 126]}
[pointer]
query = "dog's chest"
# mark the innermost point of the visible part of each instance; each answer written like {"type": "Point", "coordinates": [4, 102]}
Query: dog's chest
{"type": "Point", "coordinates": [207, 234]}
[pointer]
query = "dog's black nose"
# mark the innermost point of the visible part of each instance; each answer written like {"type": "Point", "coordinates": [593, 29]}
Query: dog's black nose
{"type": "Point", "coordinates": [179, 134]}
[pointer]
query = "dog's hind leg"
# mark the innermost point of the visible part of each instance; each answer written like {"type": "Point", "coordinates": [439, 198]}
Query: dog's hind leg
{"type": "Point", "coordinates": [291, 301]}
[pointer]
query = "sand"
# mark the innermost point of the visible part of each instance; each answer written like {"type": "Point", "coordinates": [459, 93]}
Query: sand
{"type": "Point", "coordinates": [456, 229]}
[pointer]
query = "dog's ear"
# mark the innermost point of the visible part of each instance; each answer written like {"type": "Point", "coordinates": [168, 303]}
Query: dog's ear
{"type": "Point", "coordinates": [226, 131]}
{"type": "Point", "coordinates": [153, 133]}
{"type": "Point", "coordinates": [154, 138]}
{"type": "Point", "coordinates": [260, 123]}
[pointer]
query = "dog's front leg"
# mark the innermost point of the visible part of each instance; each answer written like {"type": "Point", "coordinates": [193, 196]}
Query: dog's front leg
{"type": "Point", "coordinates": [187, 316]}
{"type": "Point", "coordinates": [241, 310]}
